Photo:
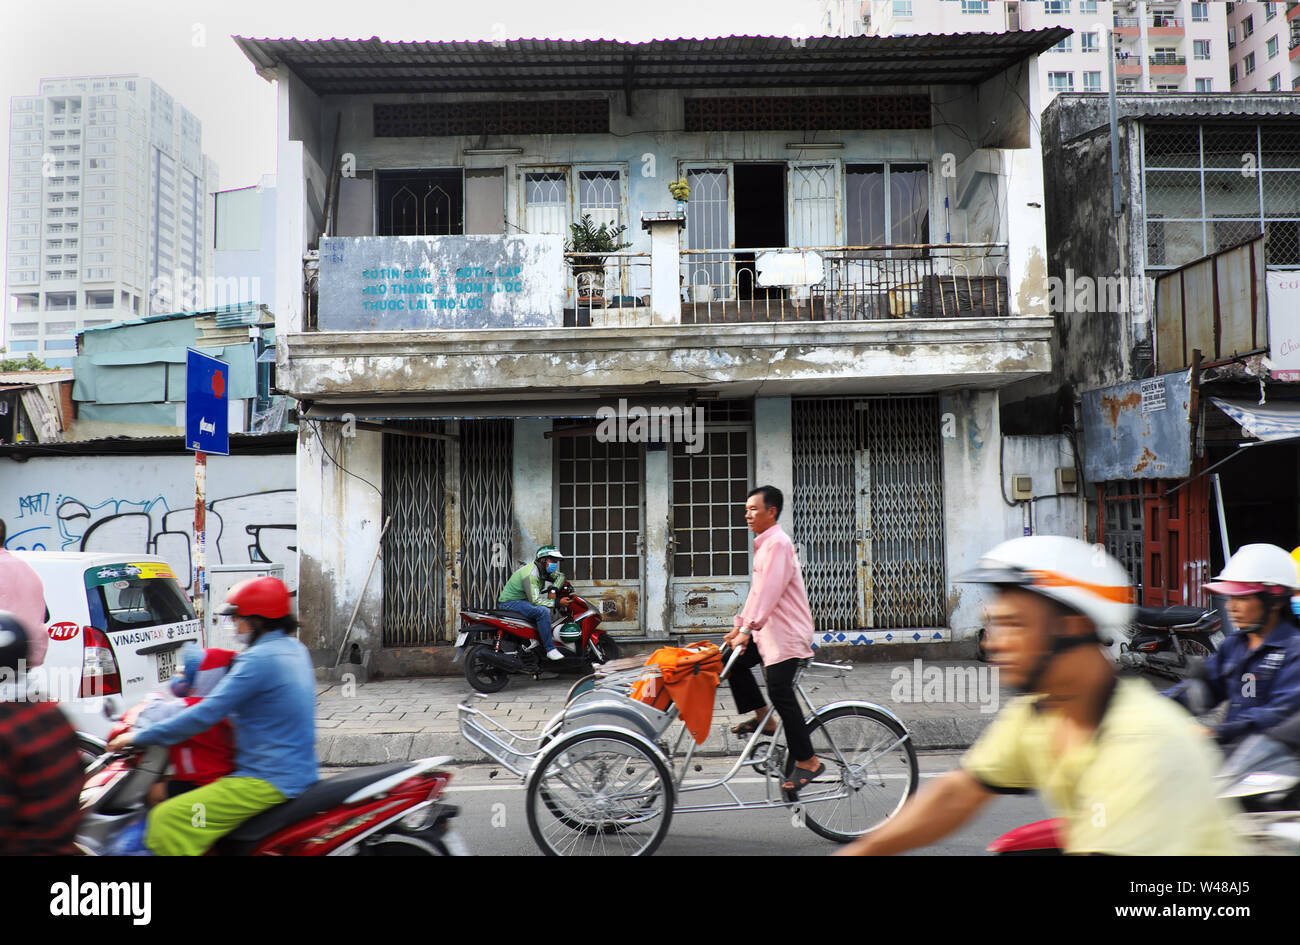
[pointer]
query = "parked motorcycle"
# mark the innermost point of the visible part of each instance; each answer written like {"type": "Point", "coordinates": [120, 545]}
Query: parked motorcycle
{"type": "Point", "coordinates": [497, 643]}
{"type": "Point", "coordinates": [1171, 641]}
{"type": "Point", "coordinates": [383, 810]}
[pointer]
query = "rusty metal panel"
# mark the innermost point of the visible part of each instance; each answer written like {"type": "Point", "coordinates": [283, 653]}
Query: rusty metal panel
{"type": "Point", "coordinates": [706, 607]}
{"type": "Point", "coordinates": [1215, 304]}
{"type": "Point", "coordinates": [1138, 430]}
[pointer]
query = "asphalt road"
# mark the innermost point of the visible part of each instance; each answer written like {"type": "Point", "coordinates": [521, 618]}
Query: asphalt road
{"type": "Point", "coordinates": [492, 820]}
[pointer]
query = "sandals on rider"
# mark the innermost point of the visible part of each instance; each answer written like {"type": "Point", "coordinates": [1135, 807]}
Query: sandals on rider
{"type": "Point", "coordinates": [802, 778]}
{"type": "Point", "coordinates": [747, 728]}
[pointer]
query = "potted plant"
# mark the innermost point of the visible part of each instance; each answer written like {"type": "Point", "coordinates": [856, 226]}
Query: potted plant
{"type": "Point", "coordinates": [681, 191]}
{"type": "Point", "coordinates": [594, 243]}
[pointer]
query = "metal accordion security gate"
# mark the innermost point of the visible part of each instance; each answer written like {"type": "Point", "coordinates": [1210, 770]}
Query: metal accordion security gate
{"type": "Point", "coordinates": [415, 561]}
{"type": "Point", "coordinates": [868, 511]}
{"type": "Point", "coordinates": [486, 509]}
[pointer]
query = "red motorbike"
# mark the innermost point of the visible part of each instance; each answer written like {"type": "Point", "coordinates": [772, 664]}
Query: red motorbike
{"type": "Point", "coordinates": [384, 810]}
{"type": "Point", "coordinates": [496, 644]}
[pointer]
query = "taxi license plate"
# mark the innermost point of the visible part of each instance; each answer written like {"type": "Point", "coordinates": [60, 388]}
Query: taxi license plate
{"type": "Point", "coordinates": [460, 639]}
{"type": "Point", "coordinates": [166, 665]}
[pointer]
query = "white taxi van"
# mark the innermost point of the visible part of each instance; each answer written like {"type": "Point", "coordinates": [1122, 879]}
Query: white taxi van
{"type": "Point", "coordinates": [116, 625]}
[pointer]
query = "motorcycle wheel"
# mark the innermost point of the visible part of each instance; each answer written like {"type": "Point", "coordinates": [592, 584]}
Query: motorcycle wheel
{"type": "Point", "coordinates": [604, 651]}
{"type": "Point", "coordinates": [481, 674]}
{"type": "Point", "coordinates": [395, 846]}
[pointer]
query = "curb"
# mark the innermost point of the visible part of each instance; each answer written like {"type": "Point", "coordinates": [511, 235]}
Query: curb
{"type": "Point", "coordinates": [353, 749]}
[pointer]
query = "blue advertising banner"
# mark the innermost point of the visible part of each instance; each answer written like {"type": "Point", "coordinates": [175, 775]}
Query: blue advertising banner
{"type": "Point", "coordinates": [207, 428]}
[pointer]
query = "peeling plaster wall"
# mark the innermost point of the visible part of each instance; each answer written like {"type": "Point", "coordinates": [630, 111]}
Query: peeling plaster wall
{"type": "Point", "coordinates": [339, 518]}
{"type": "Point", "coordinates": [970, 482]}
{"type": "Point", "coordinates": [534, 459]}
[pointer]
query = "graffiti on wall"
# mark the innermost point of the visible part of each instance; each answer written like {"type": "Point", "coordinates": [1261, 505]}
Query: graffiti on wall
{"type": "Point", "coordinates": [254, 528]}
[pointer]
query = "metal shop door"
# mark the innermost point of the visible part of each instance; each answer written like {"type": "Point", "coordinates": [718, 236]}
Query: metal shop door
{"type": "Point", "coordinates": [599, 513]}
{"type": "Point", "coordinates": [709, 542]}
{"type": "Point", "coordinates": [486, 510]}
{"type": "Point", "coordinates": [416, 566]}
{"type": "Point", "coordinates": [868, 511]}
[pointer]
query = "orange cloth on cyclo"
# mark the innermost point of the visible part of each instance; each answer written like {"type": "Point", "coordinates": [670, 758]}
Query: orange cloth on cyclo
{"type": "Point", "coordinates": [688, 676]}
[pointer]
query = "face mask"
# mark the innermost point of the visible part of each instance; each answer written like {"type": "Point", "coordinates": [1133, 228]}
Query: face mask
{"type": "Point", "coordinates": [552, 567]}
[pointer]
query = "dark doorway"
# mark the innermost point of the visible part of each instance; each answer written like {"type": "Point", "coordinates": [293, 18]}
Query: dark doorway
{"type": "Point", "coordinates": [421, 203]}
{"type": "Point", "coordinates": [760, 221]}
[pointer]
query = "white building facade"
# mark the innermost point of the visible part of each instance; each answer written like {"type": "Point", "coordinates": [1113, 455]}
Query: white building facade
{"type": "Point", "coordinates": [109, 210]}
{"type": "Point", "coordinates": [1177, 46]}
{"type": "Point", "coordinates": [1264, 46]}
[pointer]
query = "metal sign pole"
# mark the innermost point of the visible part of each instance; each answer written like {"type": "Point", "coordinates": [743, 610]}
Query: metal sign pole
{"type": "Point", "coordinates": [200, 535]}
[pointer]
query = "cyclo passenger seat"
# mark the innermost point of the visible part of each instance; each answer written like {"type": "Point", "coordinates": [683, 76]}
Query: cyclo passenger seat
{"type": "Point", "coordinates": [688, 676]}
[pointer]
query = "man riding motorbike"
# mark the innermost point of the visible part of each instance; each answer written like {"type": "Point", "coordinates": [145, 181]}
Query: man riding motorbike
{"type": "Point", "coordinates": [1257, 670]}
{"type": "Point", "coordinates": [269, 695]}
{"type": "Point", "coordinates": [526, 593]}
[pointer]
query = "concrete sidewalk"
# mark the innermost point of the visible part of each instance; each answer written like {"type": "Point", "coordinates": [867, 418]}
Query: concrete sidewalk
{"type": "Point", "coordinates": [395, 720]}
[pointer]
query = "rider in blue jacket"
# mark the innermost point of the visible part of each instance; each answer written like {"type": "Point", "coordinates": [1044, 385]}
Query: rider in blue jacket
{"type": "Point", "coordinates": [1257, 670]}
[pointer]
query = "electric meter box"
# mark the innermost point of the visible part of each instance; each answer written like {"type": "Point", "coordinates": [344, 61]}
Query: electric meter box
{"type": "Point", "coordinates": [221, 578]}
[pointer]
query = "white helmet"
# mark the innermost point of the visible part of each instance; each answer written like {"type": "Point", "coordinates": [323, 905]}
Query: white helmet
{"type": "Point", "coordinates": [1257, 569]}
{"type": "Point", "coordinates": [1081, 576]}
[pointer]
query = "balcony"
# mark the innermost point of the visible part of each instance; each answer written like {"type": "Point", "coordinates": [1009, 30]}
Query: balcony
{"type": "Point", "coordinates": [1127, 64]}
{"type": "Point", "coordinates": [1167, 65]}
{"type": "Point", "coordinates": [1127, 26]}
{"type": "Point", "coordinates": [834, 319]}
{"type": "Point", "coordinates": [1159, 26]}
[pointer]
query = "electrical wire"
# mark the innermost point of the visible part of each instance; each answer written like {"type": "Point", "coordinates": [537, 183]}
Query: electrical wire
{"type": "Point", "coordinates": [321, 439]}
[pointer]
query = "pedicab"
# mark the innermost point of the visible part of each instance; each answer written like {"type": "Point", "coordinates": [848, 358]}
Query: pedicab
{"type": "Point", "coordinates": [608, 771]}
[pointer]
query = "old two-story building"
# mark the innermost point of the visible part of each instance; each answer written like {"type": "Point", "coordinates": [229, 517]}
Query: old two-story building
{"type": "Point", "coordinates": [859, 268]}
{"type": "Point", "coordinates": [1174, 265]}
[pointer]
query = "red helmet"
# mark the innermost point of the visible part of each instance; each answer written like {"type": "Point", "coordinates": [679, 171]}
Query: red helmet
{"type": "Point", "coordinates": [258, 597]}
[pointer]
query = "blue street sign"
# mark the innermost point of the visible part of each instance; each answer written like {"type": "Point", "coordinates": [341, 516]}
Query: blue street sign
{"type": "Point", "coordinates": [207, 428]}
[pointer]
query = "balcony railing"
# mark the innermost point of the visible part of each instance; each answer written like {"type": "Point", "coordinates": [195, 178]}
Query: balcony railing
{"type": "Point", "coordinates": [1164, 22]}
{"type": "Point", "coordinates": [612, 289]}
{"type": "Point", "coordinates": [1127, 22]}
{"type": "Point", "coordinates": [844, 283]}
{"type": "Point", "coordinates": [1167, 60]}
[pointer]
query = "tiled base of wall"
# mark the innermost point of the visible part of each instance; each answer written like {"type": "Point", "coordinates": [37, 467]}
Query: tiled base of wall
{"type": "Point", "coordinates": [870, 637]}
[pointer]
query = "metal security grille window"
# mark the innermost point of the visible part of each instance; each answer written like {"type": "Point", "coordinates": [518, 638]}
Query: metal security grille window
{"type": "Point", "coordinates": [421, 203]}
{"type": "Point", "coordinates": [710, 538]}
{"type": "Point", "coordinates": [486, 508]}
{"type": "Point", "coordinates": [415, 560]}
{"type": "Point", "coordinates": [599, 509]}
{"type": "Point", "coordinates": [868, 511]}
{"type": "Point", "coordinates": [1207, 187]}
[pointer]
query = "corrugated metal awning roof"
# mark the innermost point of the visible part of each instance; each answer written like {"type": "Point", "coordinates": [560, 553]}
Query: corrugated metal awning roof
{"type": "Point", "coordinates": [239, 312]}
{"type": "Point", "coordinates": [353, 66]}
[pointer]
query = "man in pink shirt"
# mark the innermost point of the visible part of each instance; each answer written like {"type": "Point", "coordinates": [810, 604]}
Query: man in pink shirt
{"type": "Point", "coordinates": [23, 594]}
{"type": "Point", "coordinates": [777, 616]}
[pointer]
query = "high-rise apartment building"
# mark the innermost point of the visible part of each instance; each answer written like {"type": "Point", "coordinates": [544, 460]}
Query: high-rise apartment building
{"type": "Point", "coordinates": [109, 210]}
{"type": "Point", "coordinates": [1264, 47]}
{"type": "Point", "coordinates": [1175, 46]}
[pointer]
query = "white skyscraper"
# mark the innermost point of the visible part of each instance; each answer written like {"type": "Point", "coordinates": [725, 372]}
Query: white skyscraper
{"type": "Point", "coordinates": [109, 210]}
{"type": "Point", "coordinates": [1174, 46]}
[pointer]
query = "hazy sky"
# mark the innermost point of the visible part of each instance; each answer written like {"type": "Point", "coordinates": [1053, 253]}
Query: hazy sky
{"type": "Point", "coordinates": [186, 47]}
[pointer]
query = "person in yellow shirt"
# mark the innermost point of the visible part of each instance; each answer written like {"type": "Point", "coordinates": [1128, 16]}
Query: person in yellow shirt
{"type": "Point", "coordinates": [1130, 772]}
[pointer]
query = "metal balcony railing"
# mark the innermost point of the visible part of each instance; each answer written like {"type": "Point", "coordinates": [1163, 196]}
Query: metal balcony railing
{"type": "Point", "coordinates": [845, 283]}
{"type": "Point", "coordinates": [612, 289]}
{"type": "Point", "coordinates": [1167, 60]}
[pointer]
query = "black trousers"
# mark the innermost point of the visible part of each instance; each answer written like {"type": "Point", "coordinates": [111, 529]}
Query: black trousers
{"type": "Point", "coordinates": [780, 686]}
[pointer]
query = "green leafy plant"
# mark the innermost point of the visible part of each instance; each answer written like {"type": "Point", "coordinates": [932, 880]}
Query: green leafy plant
{"type": "Point", "coordinates": [29, 363]}
{"type": "Point", "coordinates": [598, 241]}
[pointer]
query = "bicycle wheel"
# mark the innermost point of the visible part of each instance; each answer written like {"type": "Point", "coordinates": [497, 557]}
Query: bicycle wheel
{"type": "Point", "coordinates": [870, 772]}
{"type": "Point", "coordinates": [599, 794]}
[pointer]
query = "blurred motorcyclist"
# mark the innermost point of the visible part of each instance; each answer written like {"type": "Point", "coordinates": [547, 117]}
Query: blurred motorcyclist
{"type": "Point", "coordinates": [1126, 770]}
{"type": "Point", "coordinates": [1257, 669]}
